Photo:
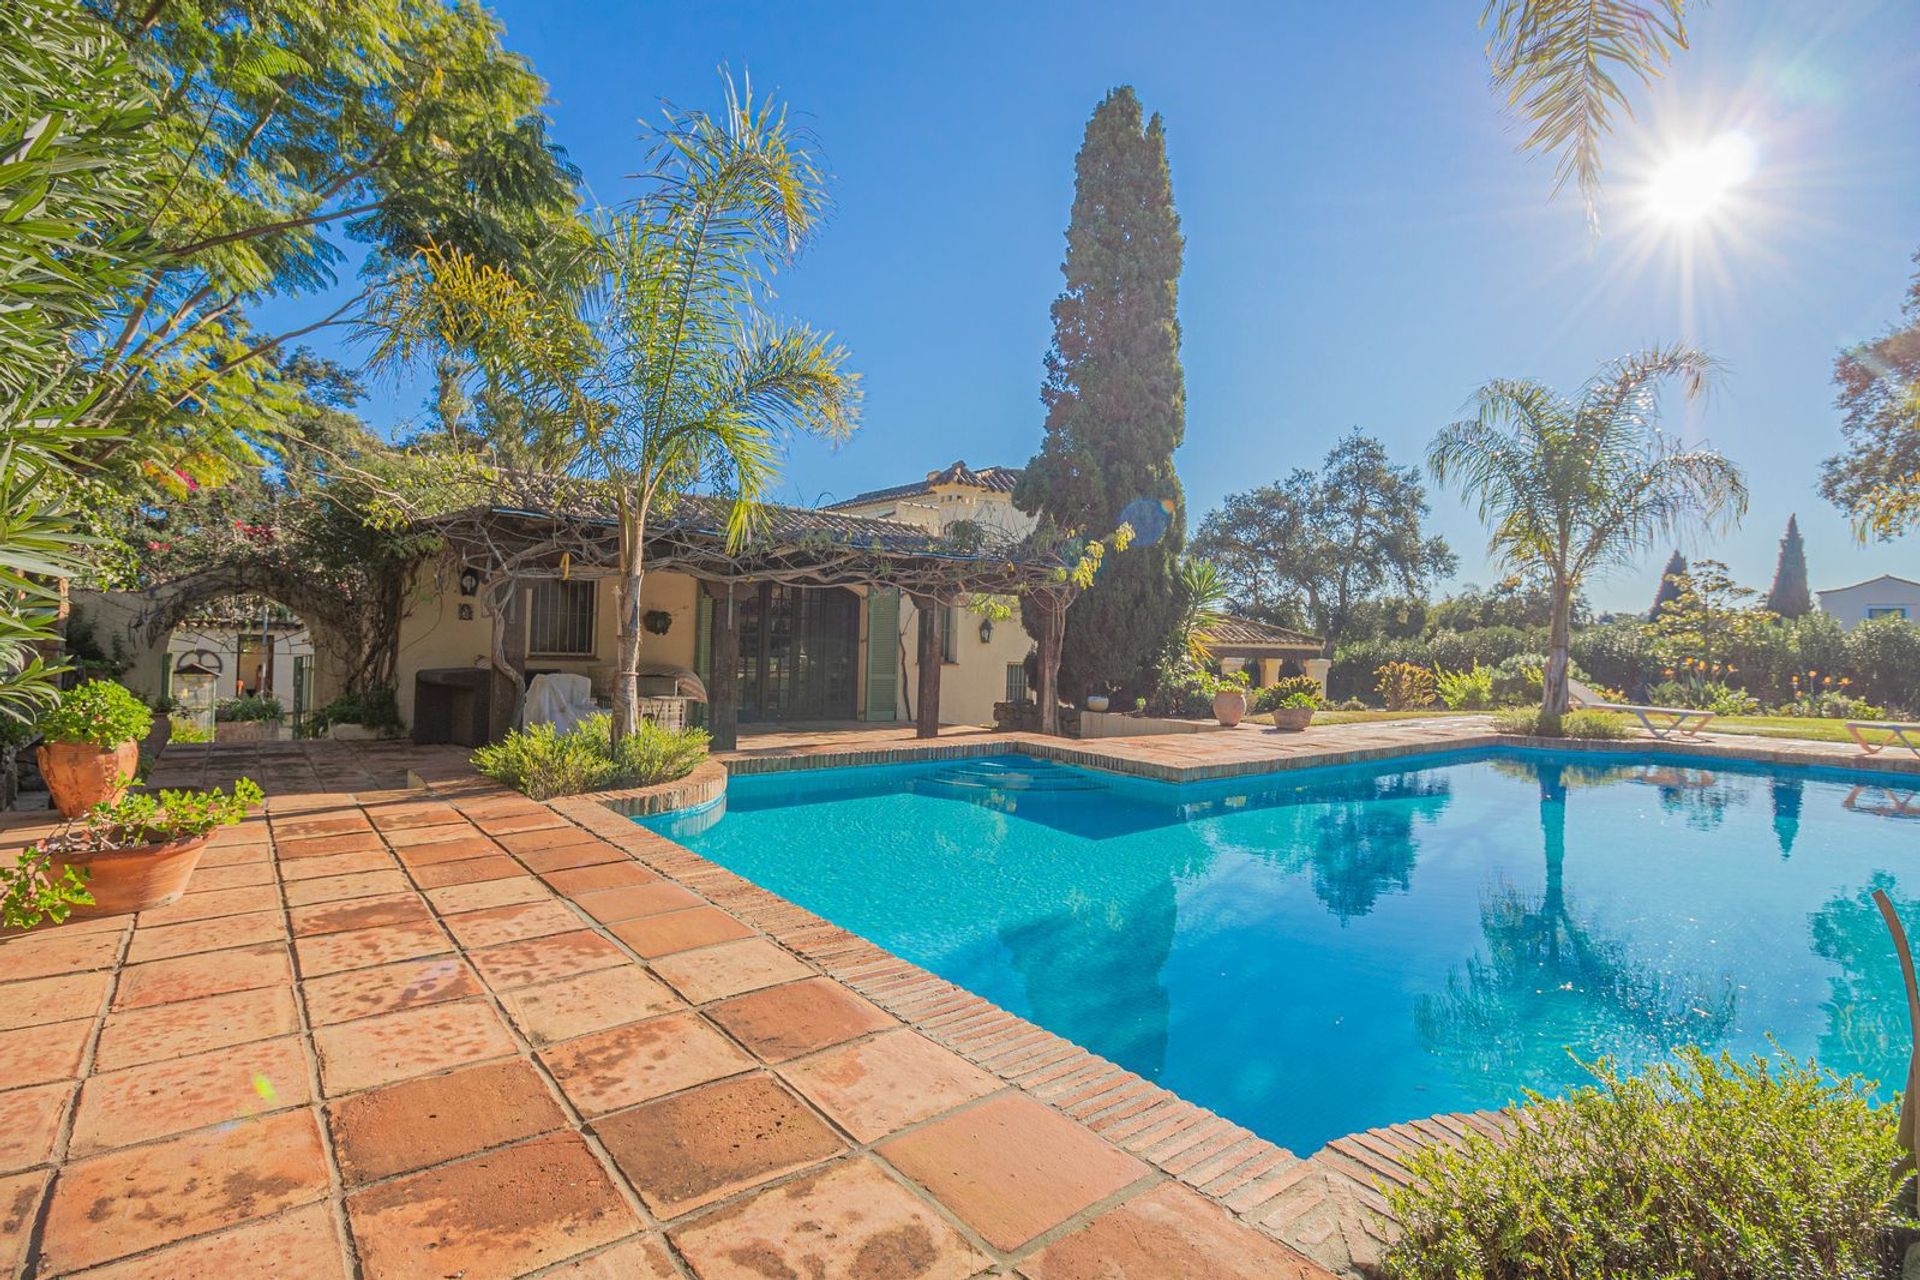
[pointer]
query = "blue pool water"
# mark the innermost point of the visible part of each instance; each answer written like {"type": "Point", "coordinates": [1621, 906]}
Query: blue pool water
{"type": "Point", "coordinates": [1317, 952]}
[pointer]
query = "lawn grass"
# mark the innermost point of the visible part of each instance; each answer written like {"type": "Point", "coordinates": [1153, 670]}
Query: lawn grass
{"type": "Point", "coordinates": [1805, 728]}
{"type": "Point", "coordinates": [1369, 716]}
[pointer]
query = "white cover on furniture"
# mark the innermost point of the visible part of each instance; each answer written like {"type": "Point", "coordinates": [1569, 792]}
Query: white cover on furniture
{"type": "Point", "coordinates": [561, 699]}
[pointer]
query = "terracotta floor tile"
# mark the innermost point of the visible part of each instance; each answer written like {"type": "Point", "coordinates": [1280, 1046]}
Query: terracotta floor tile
{"type": "Point", "coordinates": [50, 951]}
{"type": "Point", "coordinates": [601, 876]}
{"type": "Point", "coordinates": [456, 898]}
{"type": "Point", "coordinates": [113, 1205]}
{"type": "Point", "coordinates": [241, 876]}
{"type": "Point", "coordinates": [785, 1022]}
{"type": "Point", "coordinates": [41, 1054]}
{"type": "Point", "coordinates": [417, 1123]}
{"type": "Point", "coordinates": [407, 837]}
{"type": "Point", "coordinates": [639, 1062]}
{"type": "Point", "coordinates": [211, 906]}
{"type": "Point", "coordinates": [362, 913]}
{"type": "Point", "coordinates": [134, 1104]}
{"type": "Point", "coordinates": [42, 1000]}
{"type": "Point", "coordinates": [301, 1244]}
{"type": "Point", "coordinates": [585, 853]}
{"type": "Point", "coordinates": [466, 871]}
{"type": "Point", "coordinates": [329, 825]}
{"type": "Point", "coordinates": [612, 905]}
{"type": "Point", "coordinates": [591, 1002]}
{"type": "Point", "coordinates": [19, 1203]}
{"type": "Point", "coordinates": [1012, 1168]}
{"type": "Point", "coordinates": [388, 988]}
{"type": "Point", "coordinates": [428, 813]}
{"type": "Point", "coordinates": [512, 923]}
{"type": "Point", "coordinates": [134, 1036]}
{"type": "Point", "coordinates": [453, 849]}
{"type": "Point", "coordinates": [356, 884]}
{"type": "Point", "coordinates": [29, 1122]}
{"type": "Point", "coordinates": [542, 839]}
{"type": "Point", "coordinates": [518, 823]}
{"type": "Point", "coordinates": [641, 1258]}
{"type": "Point", "coordinates": [849, 1221]}
{"type": "Point", "coordinates": [705, 1144]}
{"type": "Point", "coordinates": [205, 973]}
{"type": "Point", "coordinates": [336, 864]}
{"type": "Point", "coordinates": [206, 935]}
{"type": "Point", "coordinates": [653, 936]}
{"type": "Point", "coordinates": [359, 948]}
{"type": "Point", "coordinates": [395, 1046]}
{"type": "Point", "coordinates": [714, 973]}
{"type": "Point", "coordinates": [491, 1216]}
{"type": "Point", "coordinates": [875, 1087]}
{"type": "Point", "coordinates": [327, 845]}
{"type": "Point", "coordinates": [237, 855]}
{"type": "Point", "coordinates": [1168, 1231]}
{"type": "Point", "coordinates": [559, 955]}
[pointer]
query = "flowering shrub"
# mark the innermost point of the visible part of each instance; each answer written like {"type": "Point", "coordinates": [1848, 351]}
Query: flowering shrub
{"type": "Point", "coordinates": [1469, 690]}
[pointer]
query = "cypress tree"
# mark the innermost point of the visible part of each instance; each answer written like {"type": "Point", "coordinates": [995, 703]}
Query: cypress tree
{"type": "Point", "coordinates": [1669, 588]}
{"type": "Point", "coordinates": [1789, 596]}
{"type": "Point", "coordinates": [1116, 399]}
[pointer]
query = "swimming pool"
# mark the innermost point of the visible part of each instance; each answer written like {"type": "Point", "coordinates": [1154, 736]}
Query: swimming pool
{"type": "Point", "coordinates": [1321, 951]}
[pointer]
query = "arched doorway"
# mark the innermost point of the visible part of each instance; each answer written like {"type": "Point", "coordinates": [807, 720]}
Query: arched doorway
{"type": "Point", "coordinates": [241, 647]}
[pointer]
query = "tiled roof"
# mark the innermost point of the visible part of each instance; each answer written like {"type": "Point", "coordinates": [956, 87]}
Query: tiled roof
{"type": "Point", "coordinates": [991, 479]}
{"type": "Point", "coordinates": [1245, 633]}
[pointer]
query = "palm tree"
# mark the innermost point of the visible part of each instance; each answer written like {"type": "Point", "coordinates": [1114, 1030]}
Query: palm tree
{"type": "Point", "coordinates": [667, 373]}
{"type": "Point", "coordinates": [1560, 62]}
{"type": "Point", "coordinates": [1204, 597]}
{"type": "Point", "coordinates": [1569, 488]}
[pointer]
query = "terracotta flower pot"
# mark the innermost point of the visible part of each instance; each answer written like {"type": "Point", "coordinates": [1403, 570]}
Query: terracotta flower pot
{"type": "Point", "coordinates": [80, 775]}
{"type": "Point", "coordinates": [1096, 702]}
{"type": "Point", "coordinates": [1229, 705]}
{"type": "Point", "coordinates": [240, 730]}
{"type": "Point", "coordinates": [126, 880]}
{"type": "Point", "coordinates": [1292, 719]}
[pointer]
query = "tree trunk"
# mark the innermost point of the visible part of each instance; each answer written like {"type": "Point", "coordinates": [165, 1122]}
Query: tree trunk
{"type": "Point", "coordinates": [1553, 700]}
{"type": "Point", "coordinates": [1047, 686]}
{"type": "Point", "coordinates": [626, 680]}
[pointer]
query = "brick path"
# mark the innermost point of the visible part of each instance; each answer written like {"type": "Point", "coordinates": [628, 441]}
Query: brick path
{"type": "Point", "coordinates": [396, 1033]}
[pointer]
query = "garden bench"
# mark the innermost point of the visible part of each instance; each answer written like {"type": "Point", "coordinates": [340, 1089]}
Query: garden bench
{"type": "Point", "coordinates": [1899, 730]}
{"type": "Point", "coordinates": [1673, 719]}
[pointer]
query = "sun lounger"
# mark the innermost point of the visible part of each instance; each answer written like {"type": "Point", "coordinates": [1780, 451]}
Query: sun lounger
{"type": "Point", "coordinates": [1897, 728]}
{"type": "Point", "coordinates": [1671, 720]}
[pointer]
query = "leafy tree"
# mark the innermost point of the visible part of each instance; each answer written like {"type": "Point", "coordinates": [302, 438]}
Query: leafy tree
{"type": "Point", "coordinates": [1789, 596]}
{"type": "Point", "coordinates": [671, 374]}
{"type": "Point", "coordinates": [1569, 487]}
{"type": "Point", "coordinates": [1876, 480]}
{"type": "Point", "coordinates": [279, 125]}
{"type": "Point", "coordinates": [1116, 398]}
{"type": "Point", "coordinates": [1709, 619]}
{"type": "Point", "coordinates": [1561, 63]}
{"type": "Point", "coordinates": [1326, 545]}
{"type": "Point", "coordinates": [1669, 589]}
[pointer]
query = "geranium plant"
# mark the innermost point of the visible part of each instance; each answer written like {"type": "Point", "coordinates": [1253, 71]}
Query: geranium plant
{"type": "Point", "coordinates": [144, 817]}
{"type": "Point", "coordinates": [98, 713]}
{"type": "Point", "coordinates": [30, 892]}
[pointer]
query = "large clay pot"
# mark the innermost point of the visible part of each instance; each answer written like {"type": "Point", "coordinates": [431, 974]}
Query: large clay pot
{"type": "Point", "coordinates": [1292, 719]}
{"type": "Point", "coordinates": [241, 730]}
{"type": "Point", "coordinates": [126, 880]}
{"type": "Point", "coordinates": [1229, 705]}
{"type": "Point", "coordinates": [80, 775]}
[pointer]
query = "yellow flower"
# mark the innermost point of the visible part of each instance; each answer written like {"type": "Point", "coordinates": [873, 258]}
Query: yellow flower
{"type": "Point", "coordinates": [1845, 680]}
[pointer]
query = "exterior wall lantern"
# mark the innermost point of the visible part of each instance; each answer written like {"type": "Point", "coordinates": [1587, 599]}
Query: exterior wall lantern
{"type": "Point", "coordinates": [986, 631]}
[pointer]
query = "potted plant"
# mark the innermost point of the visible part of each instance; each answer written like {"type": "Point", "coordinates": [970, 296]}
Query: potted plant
{"type": "Point", "coordinates": [1294, 712]}
{"type": "Point", "coordinates": [1229, 697]}
{"type": "Point", "coordinates": [91, 745]}
{"type": "Point", "coordinates": [139, 851]}
{"type": "Point", "coordinates": [244, 719]}
{"type": "Point", "coordinates": [1097, 702]}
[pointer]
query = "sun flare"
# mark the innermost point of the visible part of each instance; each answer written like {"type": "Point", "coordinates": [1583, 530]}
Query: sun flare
{"type": "Point", "coordinates": [1696, 183]}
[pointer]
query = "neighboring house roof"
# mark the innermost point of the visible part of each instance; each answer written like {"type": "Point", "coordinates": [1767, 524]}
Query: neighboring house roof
{"type": "Point", "coordinates": [1870, 582]}
{"type": "Point", "coordinates": [991, 479]}
{"type": "Point", "coordinates": [1246, 635]}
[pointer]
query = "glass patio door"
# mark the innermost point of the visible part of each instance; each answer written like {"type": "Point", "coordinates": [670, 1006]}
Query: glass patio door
{"type": "Point", "coordinates": [799, 648]}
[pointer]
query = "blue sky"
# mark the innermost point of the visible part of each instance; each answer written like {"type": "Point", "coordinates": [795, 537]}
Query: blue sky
{"type": "Point", "coordinates": [1364, 245]}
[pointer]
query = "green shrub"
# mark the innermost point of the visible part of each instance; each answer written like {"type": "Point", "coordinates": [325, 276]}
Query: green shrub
{"type": "Point", "coordinates": [544, 763]}
{"type": "Point", "coordinates": [1527, 722]}
{"type": "Point", "coordinates": [251, 707]}
{"type": "Point", "coordinates": [1273, 695]}
{"type": "Point", "coordinates": [1705, 1168]}
{"type": "Point", "coordinates": [99, 712]}
{"type": "Point", "coordinates": [188, 731]}
{"type": "Point", "coordinates": [1604, 725]}
{"type": "Point", "coordinates": [374, 708]}
{"type": "Point", "coordinates": [1403, 686]}
{"type": "Point", "coordinates": [1469, 690]}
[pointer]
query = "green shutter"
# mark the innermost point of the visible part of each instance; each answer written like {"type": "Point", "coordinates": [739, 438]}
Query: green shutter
{"type": "Point", "coordinates": [883, 654]}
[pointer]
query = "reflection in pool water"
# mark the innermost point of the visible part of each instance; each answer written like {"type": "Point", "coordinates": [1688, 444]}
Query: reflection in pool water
{"type": "Point", "coordinates": [1316, 952]}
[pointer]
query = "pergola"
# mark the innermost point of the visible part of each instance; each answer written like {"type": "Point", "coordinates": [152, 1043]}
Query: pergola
{"type": "Point", "coordinates": [567, 529]}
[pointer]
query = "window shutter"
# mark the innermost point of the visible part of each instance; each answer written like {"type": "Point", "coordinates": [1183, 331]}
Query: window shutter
{"type": "Point", "coordinates": [883, 654]}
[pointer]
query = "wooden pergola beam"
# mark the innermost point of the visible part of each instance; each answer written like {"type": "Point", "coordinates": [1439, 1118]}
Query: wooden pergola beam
{"type": "Point", "coordinates": [927, 707]}
{"type": "Point", "coordinates": [723, 686]}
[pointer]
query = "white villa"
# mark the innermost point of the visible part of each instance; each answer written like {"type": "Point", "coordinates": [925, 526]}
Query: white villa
{"type": "Point", "coordinates": [1886, 596]}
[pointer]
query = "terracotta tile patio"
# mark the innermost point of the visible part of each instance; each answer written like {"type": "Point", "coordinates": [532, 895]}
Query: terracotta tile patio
{"type": "Point", "coordinates": [461, 1034]}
